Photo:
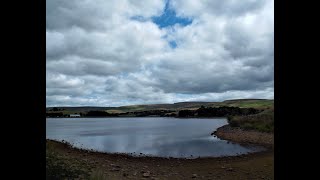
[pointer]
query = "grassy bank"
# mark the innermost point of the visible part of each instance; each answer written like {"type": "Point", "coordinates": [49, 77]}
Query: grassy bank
{"type": "Point", "coordinates": [61, 166]}
{"type": "Point", "coordinates": [262, 122]}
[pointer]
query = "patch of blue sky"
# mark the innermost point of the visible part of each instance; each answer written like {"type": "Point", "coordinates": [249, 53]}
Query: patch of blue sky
{"type": "Point", "coordinates": [139, 18]}
{"type": "Point", "coordinates": [173, 44]}
{"type": "Point", "coordinates": [169, 18]}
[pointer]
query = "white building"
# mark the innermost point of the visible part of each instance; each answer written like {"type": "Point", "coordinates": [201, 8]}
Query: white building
{"type": "Point", "coordinates": [74, 115]}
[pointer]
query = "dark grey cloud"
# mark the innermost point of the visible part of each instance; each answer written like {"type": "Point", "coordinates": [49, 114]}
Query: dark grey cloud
{"type": "Point", "coordinates": [82, 66]}
{"type": "Point", "coordinates": [97, 54]}
{"type": "Point", "coordinates": [230, 8]}
{"type": "Point", "coordinates": [62, 14]}
{"type": "Point", "coordinates": [95, 15]}
{"type": "Point", "coordinates": [206, 78]}
{"type": "Point", "coordinates": [235, 8]}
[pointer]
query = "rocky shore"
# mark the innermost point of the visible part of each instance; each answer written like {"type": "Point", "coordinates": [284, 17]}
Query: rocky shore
{"type": "Point", "coordinates": [245, 137]}
{"type": "Point", "coordinates": [66, 162]}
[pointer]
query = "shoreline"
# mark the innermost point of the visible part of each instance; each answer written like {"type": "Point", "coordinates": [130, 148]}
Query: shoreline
{"type": "Point", "coordinates": [233, 135]}
{"type": "Point", "coordinates": [225, 132]}
{"type": "Point", "coordinates": [245, 137]}
{"type": "Point", "coordinates": [64, 161]}
{"type": "Point", "coordinates": [67, 145]}
{"type": "Point", "coordinates": [211, 117]}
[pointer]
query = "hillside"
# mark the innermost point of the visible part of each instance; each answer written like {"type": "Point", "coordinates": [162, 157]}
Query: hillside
{"type": "Point", "coordinates": [242, 103]}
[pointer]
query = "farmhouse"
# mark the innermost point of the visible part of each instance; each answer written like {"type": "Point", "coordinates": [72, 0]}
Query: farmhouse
{"type": "Point", "coordinates": [74, 115]}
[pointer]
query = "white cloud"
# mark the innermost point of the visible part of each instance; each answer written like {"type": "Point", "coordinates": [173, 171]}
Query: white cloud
{"type": "Point", "coordinates": [98, 55]}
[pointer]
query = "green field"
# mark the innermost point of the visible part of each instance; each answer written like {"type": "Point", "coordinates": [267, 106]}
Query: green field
{"type": "Point", "coordinates": [259, 104]}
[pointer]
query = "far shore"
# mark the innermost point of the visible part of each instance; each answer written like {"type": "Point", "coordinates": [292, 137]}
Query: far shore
{"type": "Point", "coordinates": [138, 117]}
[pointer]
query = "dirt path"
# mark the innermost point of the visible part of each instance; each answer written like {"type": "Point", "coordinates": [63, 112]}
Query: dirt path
{"type": "Point", "coordinates": [64, 161]}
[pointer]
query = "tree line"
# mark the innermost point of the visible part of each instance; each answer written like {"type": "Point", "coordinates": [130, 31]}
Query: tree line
{"type": "Point", "coordinates": [223, 111]}
{"type": "Point", "coordinates": [201, 112]}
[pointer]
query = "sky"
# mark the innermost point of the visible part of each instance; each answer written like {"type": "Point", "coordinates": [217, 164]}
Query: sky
{"type": "Point", "coordinates": [126, 52]}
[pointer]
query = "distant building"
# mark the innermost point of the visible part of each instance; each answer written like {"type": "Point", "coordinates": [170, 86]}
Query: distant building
{"type": "Point", "coordinates": [74, 115]}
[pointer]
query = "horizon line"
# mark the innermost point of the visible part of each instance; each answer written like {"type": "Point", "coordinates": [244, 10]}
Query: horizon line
{"type": "Point", "coordinates": [166, 103]}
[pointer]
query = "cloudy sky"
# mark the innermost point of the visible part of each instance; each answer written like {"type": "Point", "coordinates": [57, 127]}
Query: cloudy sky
{"type": "Point", "coordinates": [122, 52]}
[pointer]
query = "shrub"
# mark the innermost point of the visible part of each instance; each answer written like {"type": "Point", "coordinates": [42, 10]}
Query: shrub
{"type": "Point", "coordinates": [263, 121]}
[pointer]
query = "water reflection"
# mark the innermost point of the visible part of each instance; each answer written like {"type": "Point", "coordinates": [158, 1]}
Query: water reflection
{"type": "Point", "coordinates": [152, 136]}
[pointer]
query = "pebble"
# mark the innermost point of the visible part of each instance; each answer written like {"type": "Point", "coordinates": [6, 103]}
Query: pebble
{"type": "Point", "coordinates": [115, 169]}
{"type": "Point", "coordinates": [230, 169]}
{"type": "Point", "coordinates": [113, 165]}
{"type": "Point", "coordinates": [146, 174]}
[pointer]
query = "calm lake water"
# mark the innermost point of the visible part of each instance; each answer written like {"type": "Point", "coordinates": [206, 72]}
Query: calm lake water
{"type": "Point", "coordinates": [156, 136]}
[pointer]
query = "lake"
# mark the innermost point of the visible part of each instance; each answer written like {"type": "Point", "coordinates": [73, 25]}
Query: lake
{"type": "Point", "coordinates": [152, 136]}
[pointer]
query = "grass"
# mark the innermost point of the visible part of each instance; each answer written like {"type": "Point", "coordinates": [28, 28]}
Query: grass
{"type": "Point", "coordinates": [263, 122]}
{"type": "Point", "coordinates": [114, 111]}
{"type": "Point", "coordinates": [258, 104]}
{"type": "Point", "coordinates": [98, 175]}
{"type": "Point", "coordinates": [59, 166]}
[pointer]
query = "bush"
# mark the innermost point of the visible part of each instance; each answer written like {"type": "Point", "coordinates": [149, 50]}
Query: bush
{"type": "Point", "coordinates": [97, 114]}
{"type": "Point", "coordinates": [186, 113]}
{"type": "Point", "coordinates": [225, 111]}
{"type": "Point", "coordinates": [54, 114]}
{"type": "Point", "coordinates": [263, 122]}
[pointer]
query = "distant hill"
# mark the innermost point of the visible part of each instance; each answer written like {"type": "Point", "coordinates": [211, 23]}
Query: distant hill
{"type": "Point", "coordinates": [242, 103]}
